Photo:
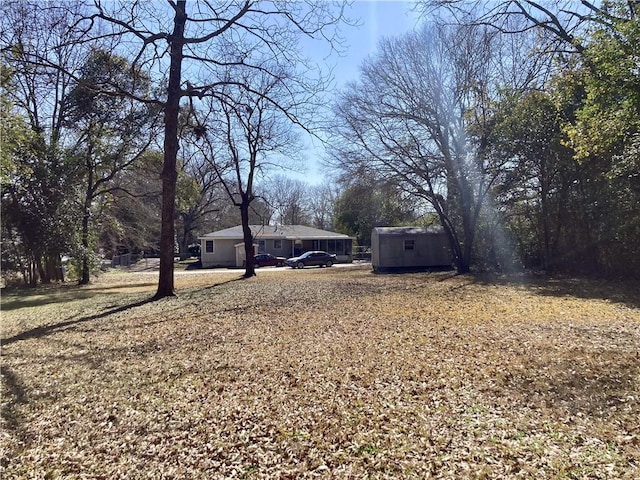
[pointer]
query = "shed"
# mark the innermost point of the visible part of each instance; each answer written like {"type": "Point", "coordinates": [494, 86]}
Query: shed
{"type": "Point", "coordinates": [409, 248]}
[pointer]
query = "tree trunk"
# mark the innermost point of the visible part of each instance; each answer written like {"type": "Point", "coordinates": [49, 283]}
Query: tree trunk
{"type": "Point", "coordinates": [169, 172]}
{"type": "Point", "coordinates": [184, 250]}
{"type": "Point", "coordinates": [44, 278]}
{"type": "Point", "coordinates": [446, 210]}
{"type": "Point", "coordinates": [183, 243]}
{"type": "Point", "coordinates": [24, 269]}
{"type": "Point", "coordinates": [33, 271]}
{"type": "Point", "coordinates": [250, 269]}
{"type": "Point", "coordinates": [460, 261]}
{"type": "Point", "coordinates": [53, 266]}
{"type": "Point", "coordinates": [84, 269]}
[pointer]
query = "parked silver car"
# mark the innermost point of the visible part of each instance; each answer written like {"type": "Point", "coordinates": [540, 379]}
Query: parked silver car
{"type": "Point", "coordinates": [307, 259]}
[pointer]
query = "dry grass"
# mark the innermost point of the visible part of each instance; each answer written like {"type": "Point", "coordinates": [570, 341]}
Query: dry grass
{"type": "Point", "coordinates": [331, 373]}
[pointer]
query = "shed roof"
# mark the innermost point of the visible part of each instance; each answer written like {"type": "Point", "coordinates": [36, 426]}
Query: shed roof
{"type": "Point", "coordinates": [289, 232]}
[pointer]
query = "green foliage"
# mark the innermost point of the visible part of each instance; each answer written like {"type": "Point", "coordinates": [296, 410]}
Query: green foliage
{"type": "Point", "coordinates": [605, 139]}
{"type": "Point", "coordinates": [38, 210]}
{"type": "Point", "coordinates": [569, 191]}
{"type": "Point", "coordinates": [610, 114]}
{"type": "Point", "coordinates": [101, 94]}
{"type": "Point", "coordinates": [537, 169]}
{"type": "Point", "coordinates": [187, 191]}
{"type": "Point", "coordinates": [59, 172]}
{"type": "Point", "coordinates": [75, 264]}
{"type": "Point", "coordinates": [129, 218]}
{"type": "Point", "coordinates": [112, 132]}
{"type": "Point", "coordinates": [365, 205]}
{"type": "Point", "coordinates": [14, 132]}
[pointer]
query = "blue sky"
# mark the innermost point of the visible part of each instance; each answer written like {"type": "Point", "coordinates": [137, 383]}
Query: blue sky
{"type": "Point", "coordinates": [377, 19]}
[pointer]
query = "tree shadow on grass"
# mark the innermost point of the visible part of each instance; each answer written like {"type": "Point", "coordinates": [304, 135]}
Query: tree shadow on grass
{"type": "Point", "coordinates": [219, 284]}
{"type": "Point", "coordinates": [15, 393]}
{"type": "Point", "coordinates": [13, 390]}
{"type": "Point", "coordinates": [625, 293]}
{"type": "Point", "coordinates": [48, 329]}
{"type": "Point", "coordinates": [598, 390]}
{"type": "Point", "coordinates": [44, 330]}
{"type": "Point", "coordinates": [59, 294]}
{"type": "Point", "coordinates": [622, 292]}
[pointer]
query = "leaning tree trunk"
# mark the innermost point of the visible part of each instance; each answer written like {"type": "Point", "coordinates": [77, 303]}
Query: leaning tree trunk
{"type": "Point", "coordinates": [445, 210]}
{"type": "Point", "coordinates": [459, 258]}
{"type": "Point", "coordinates": [169, 172]}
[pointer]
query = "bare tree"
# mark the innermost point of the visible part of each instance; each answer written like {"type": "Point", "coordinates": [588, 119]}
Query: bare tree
{"type": "Point", "coordinates": [200, 194]}
{"type": "Point", "coordinates": [420, 115]}
{"type": "Point", "coordinates": [199, 198]}
{"type": "Point", "coordinates": [211, 45]}
{"type": "Point", "coordinates": [564, 21]}
{"type": "Point", "coordinates": [322, 201]}
{"type": "Point", "coordinates": [246, 131]}
{"type": "Point", "coordinates": [288, 198]}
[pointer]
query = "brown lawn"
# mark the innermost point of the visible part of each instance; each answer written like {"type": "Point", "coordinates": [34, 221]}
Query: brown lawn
{"type": "Point", "coordinates": [322, 373]}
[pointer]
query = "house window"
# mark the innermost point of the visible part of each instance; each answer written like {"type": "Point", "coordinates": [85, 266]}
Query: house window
{"type": "Point", "coordinates": [409, 244]}
{"type": "Point", "coordinates": [262, 246]}
{"type": "Point", "coordinates": [209, 246]}
{"type": "Point", "coordinates": [277, 244]}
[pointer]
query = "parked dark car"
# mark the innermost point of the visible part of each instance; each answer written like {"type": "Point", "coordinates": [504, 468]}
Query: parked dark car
{"type": "Point", "coordinates": [307, 259]}
{"type": "Point", "coordinates": [268, 260]}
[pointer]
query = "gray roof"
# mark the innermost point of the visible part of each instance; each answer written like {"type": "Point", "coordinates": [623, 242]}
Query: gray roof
{"type": "Point", "coordinates": [289, 232]}
{"type": "Point", "coordinates": [408, 230]}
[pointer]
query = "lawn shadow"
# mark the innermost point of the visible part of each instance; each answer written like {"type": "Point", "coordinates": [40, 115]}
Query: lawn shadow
{"type": "Point", "coordinates": [42, 331]}
{"type": "Point", "coordinates": [408, 270]}
{"type": "Point", "coordinates": [623, 292]}
{"type": "Point", "coordinates": [14, 394]}
{"type": "Point", "coordinates": [194, 266]}
{"type": "Point", "coordinates": [598, 390]}
{"type": "Point", "coordinates": [25, 298]}
{"type": "Point", "coordinates": [225, 282]}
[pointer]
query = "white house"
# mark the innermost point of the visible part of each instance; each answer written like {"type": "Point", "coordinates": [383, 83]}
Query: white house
{"type": "Point", "coordinates": [225, 248]}
{"type": "Point", "coordinates": [395, 248]}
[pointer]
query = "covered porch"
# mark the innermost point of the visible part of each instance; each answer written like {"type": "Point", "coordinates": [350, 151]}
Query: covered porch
{"type": "Point", "coordinates": [341, 247]}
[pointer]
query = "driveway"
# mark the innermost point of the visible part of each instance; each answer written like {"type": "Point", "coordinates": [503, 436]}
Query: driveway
{"type": "Point", "coordinates": [152, 265]}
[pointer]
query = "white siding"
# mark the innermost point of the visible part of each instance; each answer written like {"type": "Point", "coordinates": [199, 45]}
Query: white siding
{"type": "Point", "coordinates": [224, 254]}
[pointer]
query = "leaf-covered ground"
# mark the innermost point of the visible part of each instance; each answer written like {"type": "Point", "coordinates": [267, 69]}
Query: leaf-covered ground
{"type": "Point", "coordinates": [322, 373]}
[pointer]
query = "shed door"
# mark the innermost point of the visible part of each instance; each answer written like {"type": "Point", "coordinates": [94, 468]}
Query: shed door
{"type": "Point", "coordinates": [240, 255]}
